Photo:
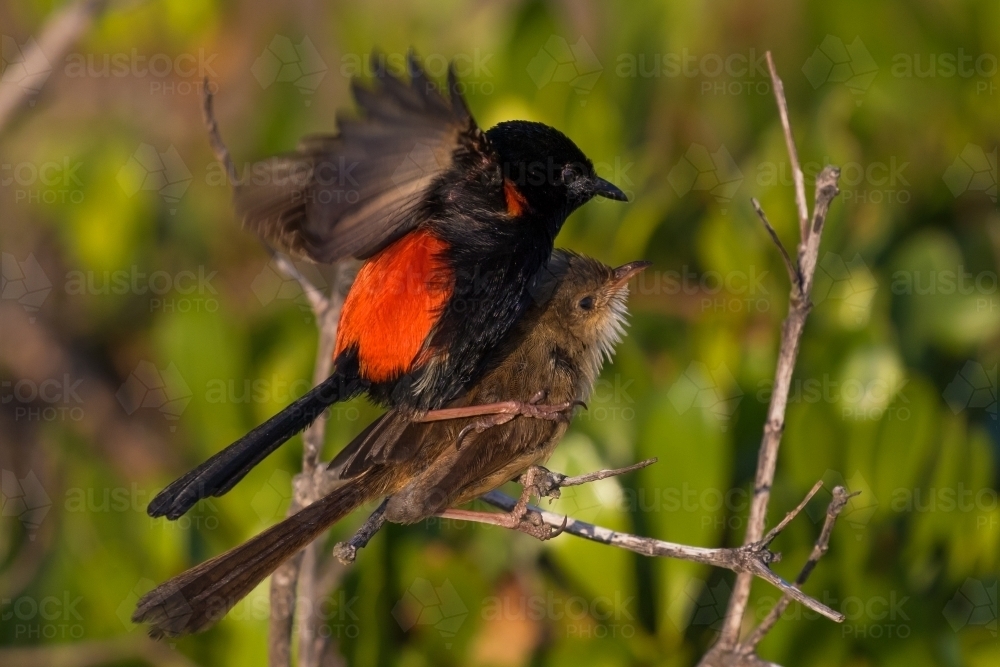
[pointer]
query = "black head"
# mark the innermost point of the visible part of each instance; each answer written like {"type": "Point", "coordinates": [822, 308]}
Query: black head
{"type": "Point", "coordinates": [547, 168]}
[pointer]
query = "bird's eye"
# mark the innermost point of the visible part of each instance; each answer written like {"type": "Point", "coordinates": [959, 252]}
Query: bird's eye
{"type": "Point", "coordinates": [586, 303]}
{"type": "Point", "coordinates": [570, 174]}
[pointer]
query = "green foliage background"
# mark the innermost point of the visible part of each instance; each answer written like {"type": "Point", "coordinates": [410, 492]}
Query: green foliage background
{"type": "Point", "coordinates": [672, 102]}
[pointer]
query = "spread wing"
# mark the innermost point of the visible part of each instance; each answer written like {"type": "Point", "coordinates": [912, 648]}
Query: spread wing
{"type": "Point", "coordinates": [349, 195]}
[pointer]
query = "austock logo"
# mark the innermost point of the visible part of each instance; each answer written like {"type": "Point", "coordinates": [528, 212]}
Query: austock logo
{"type": "Point", "coordinates": [273, 284]}
{"type": "Point", "coordinates": [974, 604]}
{"type": "Point", "coordinates": [699, 603]}
{"type": "Point", "coordinates": [127, 606]}
{"type": "Point", "coordinates": [164, 390]}
{"type": "Point", "coordinates": [974, 170]}
{"type": "Point", "coordinates": [836, 62]}
{"type": "Point", "coordinates": [974, 386]}
{"type": "Point", "coordinates": [722, 74]}
{"type": "Point", "coordinates": [874, 182]}
{"type": "Point", "coordinates": [274, 495]}
{"type": "Point", "coordinates": [24, 498]}
{"type": "Point", "coordinates": [422, 160]}
{"type": "Point", "coordinates": [703, 171]}
{"type": "Point", "coordinates": [981, 68]}
{"type": "Point", "coordinates": [850, 284]}
{"type": "Point", "coordinates": [713, 391]}
{"type": "Point", "coordinates": [150, 170]}
{"type": "Point", "coordinates": [560, 62]}
{"type": "Point", "coordinates": [423, 603]}
{"type": "Point", "coordinates": [582, 617]}
{"type": "Point", "coordinates": [24, 282]}
{"type": "Point", "coordinates": [48, 400]}
{"type": "Point", "coordinates": [283, 61]}
{"type": "Point", "coordinates": [17, 69]}
{"type": "Point", "coordinates": [48, 182]}
{"type": "Point", "coordinates": [48, 617]}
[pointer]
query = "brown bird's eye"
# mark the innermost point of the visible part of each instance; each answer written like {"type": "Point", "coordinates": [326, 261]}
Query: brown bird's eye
{"type": "Point", "coordinates": [586, 303]}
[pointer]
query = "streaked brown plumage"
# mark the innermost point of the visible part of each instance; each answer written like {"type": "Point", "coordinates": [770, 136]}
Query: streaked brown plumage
{"type": "Point", "coordinates": [558, 348]}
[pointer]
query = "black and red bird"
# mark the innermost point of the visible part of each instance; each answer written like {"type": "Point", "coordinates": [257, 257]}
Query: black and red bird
{"type": "Point", "coordinates": [453, 223]}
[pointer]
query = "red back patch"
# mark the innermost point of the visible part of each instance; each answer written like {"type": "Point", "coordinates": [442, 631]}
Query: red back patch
{"type": "Point", "coordinates": [393, 305]}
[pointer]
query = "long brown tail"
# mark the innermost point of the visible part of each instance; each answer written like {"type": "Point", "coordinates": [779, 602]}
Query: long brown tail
{"type": "Point", "coordinates": [194, 600]}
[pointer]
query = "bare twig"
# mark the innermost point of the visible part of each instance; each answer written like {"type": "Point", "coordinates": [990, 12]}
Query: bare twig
{"type": "Point", "coordinates": [61, 31]}
{"type": "Point", "coordinates": [774, 532]}
{"type": "Point", "coordinates": [826, 190]}
{"type": "Point", "coordinates": [791, 335]}
{"type": "Point", "coordinates": [833, 510]}
{"type": "Point", "coordinates": [753, 559]}
{"type": "Point", "coordinates": [347, 552]}
{"type": "Point", "coordinates": [793, 273]}
{"type": "Point", "coordinates": [299, 576]}
{"type": "Point", "coordinates": [793, 155]}
{"type": "Point", "coordinates": [564, 481]}
{"type": "Point", "coordinates": [282, 618]}
{"type": "Point", "coordinates": [214, 138]}
{"type": "Point", "coordinates": [318, 301]}
{"type": "Point", "coordinates": [301, 573]}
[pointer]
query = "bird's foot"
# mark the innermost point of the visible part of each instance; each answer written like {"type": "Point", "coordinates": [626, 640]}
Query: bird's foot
{"type": "Point", "coordinates": [529, 522]}
{"type": "Point", "coordinates": [537, 481]}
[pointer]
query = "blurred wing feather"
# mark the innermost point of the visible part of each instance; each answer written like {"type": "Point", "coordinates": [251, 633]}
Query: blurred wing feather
{"type": "Point", "coordinates": [351, 194]}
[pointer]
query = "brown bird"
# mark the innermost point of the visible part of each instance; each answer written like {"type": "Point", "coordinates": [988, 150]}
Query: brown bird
{"type": "Point", "coordinates": [554, 353]}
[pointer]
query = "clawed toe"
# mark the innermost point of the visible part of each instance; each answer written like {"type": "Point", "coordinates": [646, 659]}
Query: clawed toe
{"type": "Point", "coordinates": [532, 524]}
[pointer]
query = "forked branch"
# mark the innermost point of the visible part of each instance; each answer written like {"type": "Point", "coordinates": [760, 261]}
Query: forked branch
{"type": "Point", "coordinates": [729, 650]}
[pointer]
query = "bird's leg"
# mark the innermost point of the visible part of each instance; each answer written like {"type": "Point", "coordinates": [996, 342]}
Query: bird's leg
{"type": "Point", "coordinates": [495, 414]}
{"type": "Point", "coordinates": [519, 518]}
{"type": "Point", "coordinates": [503, 411]}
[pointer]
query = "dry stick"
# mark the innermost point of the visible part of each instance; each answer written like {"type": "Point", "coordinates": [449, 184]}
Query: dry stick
{"type": "Point", "coordinates": [318, 301]}
{"type": "Point", "coordinates": [61, 30]}
{"type": "Point", "coordinates": [564, 481]}
{"type": "Point", "coordinates": [214, 138]}
{"type": "Point", "coordinates": [793, 275]}
{"type": "Point", "coordinates": [774, 532]}
{"type": "Point", "coordinates": [301, 570]}
{"type": "Point", "coordinates": [791, 336]}
{"type": "Point", "coordinates": [753, 559]}
{"type": "Point", "coordinates": [347, 552]}
{"type": "Point", "coordinates": [833, 510]}
{"type": "Point", "coordinates": [308, 483]}
{"type": "Point", "coordinates": [793, 156]}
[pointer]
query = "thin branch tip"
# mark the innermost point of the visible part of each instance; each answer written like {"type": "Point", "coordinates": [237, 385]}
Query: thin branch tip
{"type": "Point", "coordinates": [793, 272]}
{"type": "Point", "coordinates": [728, 649]}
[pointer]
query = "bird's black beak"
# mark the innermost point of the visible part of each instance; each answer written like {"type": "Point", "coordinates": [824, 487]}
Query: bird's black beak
{"type": "Point", "coordinates": [608, 190]}
{"type": "Point", "coordinates": [625, 272]}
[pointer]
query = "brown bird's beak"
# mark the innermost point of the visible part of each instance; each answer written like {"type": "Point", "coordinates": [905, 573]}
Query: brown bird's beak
{"type": "Point", "coordinates": [624, 273]}
{"type": "Point", "coordinates": [607, 189]}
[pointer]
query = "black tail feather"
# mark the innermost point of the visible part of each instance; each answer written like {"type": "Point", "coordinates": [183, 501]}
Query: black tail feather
{"type": "Point", "coordinates": [221, 472]}
{"type": "Point", "coordinates": [194, 600]}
